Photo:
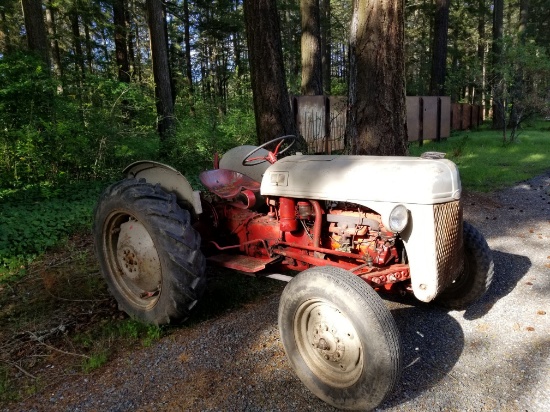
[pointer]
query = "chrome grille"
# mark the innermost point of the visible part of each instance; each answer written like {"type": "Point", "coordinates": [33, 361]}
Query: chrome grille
{"type": "Point", "coordinates": [449, 243]}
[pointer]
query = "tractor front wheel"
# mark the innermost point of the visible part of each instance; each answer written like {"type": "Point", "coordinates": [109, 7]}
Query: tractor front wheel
{"type": "Point", "coordinates": [340, 338]}
{"type": "Point", "coordinates": [148, 252]}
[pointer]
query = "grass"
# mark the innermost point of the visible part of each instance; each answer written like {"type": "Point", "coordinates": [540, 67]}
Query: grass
{"type": "Point", "coordinates": [486, 164]}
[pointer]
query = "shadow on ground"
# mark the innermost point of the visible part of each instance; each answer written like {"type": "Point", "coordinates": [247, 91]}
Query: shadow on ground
{"type": "Point", "coordinates": [432, 343]}
{"type": "Point", "coordinates": [509, 270]}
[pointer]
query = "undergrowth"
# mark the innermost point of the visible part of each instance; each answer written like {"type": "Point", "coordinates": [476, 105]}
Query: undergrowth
{"type": "Point", "coordinates": [39, 217]}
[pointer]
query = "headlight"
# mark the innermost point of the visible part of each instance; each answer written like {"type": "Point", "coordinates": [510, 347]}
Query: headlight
{"type": "Point", "coordinates": [399, 217]}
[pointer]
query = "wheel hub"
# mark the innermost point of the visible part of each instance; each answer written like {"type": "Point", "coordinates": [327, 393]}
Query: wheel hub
{"type": "Point", "coordinates": [137, 257]}
{"type": "Point", "coordinates": [328, 342]}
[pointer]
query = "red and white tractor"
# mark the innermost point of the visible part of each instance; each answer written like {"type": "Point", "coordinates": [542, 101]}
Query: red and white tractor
{"type": "Point", "coordinates": [351, 225]}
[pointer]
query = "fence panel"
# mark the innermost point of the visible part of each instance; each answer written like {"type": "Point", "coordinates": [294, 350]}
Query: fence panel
{"type": "Point", "coordinates": [413, 118]}
{"type": "Point", "coordinates": [429, 118]}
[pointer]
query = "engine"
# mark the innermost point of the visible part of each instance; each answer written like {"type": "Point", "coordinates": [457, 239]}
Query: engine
{"type": "Point", "coordinates": [303, 233]}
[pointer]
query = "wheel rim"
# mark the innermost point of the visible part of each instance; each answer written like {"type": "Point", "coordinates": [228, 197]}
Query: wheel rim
{"type": "Point", "coordinates": [133, 260]}
{"type": "Point", "coordinates": [328, 343]}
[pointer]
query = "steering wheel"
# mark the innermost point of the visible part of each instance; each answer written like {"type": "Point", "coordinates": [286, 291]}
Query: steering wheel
{"type": "Point", "coordinates": [271, 157]}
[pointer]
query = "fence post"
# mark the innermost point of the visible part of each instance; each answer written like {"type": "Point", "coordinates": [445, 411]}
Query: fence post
{"type": "Point", "coordinates": [420, 121]}
{"type": "Point", "coordinates": [438, 125]}
{"type": "Point", "coordinates": [328, 146]}
{"type": "Point", "coordinates": [295, 115]}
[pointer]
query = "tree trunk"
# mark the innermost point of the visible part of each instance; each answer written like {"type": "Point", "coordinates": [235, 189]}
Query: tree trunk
{"type": "Point", "coordinates": [36, 29]}
{"type": "Point", "coordinates": [439, 50]}
{"type": "Point", "coordinates": [326, 34]}
{"type": "Point", "coordinates": [161, 72]}
{"type": "Point", "coordinates": [480, 95]}
{"type": "Point", "coordinates": [517, 92]}
{"type": "Point", "coordinates": [377, 122]}
{"type": "Point", "coordinates": [312, 74]}
{"type": "Point", "coordinates": [5, 44]}
{"type": "Point", "coordinates": [75, 28]}
{"type": "Point", "coordinates": [121, 46]}
{"type": "Point", "coordinates": [187, 39]}
{"type": "Point", "coordinates": [54, 43]}
{"type": "Point", "coordinates": [499, 114]}
{"type": "Point", "coordinates": [88, 42]}
{"type": "Point", "coordinates": [270, 95]}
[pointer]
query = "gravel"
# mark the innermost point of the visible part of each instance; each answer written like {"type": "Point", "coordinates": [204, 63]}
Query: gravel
{"type": "Point", "coordinates": [495, 356]}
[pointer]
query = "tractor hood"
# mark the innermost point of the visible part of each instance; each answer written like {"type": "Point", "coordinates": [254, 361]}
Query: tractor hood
{"type": "Point", "coordinates": [358, 179]}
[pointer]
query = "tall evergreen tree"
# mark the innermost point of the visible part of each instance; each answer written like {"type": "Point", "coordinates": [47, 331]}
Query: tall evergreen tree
{"type": "Point", "coordinates": [36, 29]}
{"type": "Point", "coordinates": [377, 120]}
{"type": "Point", "coordinates": [497, 81]}
{"type": "Point", "coordinates": [161, 71]}
{"type": "Point", "coordinates": [121, 44]}
{"type": "Point", "coordinates": [439, 49]}
{"type": "Point", "coordinates": [312, 74]}
{"type": "Point", "coordinates": [271, 100]}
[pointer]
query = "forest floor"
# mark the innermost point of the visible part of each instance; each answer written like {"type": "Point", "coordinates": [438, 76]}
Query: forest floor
{"type": "Point", "coordinates": [493, 356]}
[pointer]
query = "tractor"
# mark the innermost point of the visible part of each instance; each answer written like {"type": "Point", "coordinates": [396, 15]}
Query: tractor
{"type": "Point", "coordinates": [351, 227]}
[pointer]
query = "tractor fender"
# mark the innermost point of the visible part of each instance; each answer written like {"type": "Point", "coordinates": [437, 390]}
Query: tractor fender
{"type": "Point", "coordinates": [168, 178]}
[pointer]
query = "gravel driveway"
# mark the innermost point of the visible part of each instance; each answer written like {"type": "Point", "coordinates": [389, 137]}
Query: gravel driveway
{"type": "Point", "coordinates": [495, 356]}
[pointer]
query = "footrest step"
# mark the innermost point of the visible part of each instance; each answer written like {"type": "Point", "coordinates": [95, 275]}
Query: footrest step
{"type": "Point", "coordinates": [243, 263]}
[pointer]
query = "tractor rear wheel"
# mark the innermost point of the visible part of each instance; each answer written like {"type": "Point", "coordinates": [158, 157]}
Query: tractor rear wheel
{"type": "Point", "coordinates": [148, 252]}
{"type": "Point", "coordinates": [340, 338]}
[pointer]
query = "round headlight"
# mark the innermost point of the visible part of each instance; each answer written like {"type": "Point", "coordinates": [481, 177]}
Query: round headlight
{"type": "Point", "coordinates": [399, 217]}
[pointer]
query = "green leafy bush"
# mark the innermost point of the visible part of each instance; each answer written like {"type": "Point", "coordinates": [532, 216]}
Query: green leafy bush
{"type": "Point", "coordinates": [49, 135]}
{"type": "Point", "coordinates": [39, 217]}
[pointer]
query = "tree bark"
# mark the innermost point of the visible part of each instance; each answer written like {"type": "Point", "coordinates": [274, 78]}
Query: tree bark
{"type": "Point", "coordinates": [75, 28]}
{"type": "Point", "coordinates": [5, 41]}
{"type": "Point", "coordinates": [270, 95]}
{"type": "Point", "coordinates": [161, 72]}
{"type": "Point", "coordinates": [121, 44]}
{"type": "Point", "coordinates": [377, 120]}
{"type": "Point", "coordinates": [54, 42]}
{"type": "Point", "coordinates": [88, 43]}
{"type": "Point", "coordinates": [312, 74]}
{"type": "Point", "coordinates": [439, 50]}
{"type": "Point", "coordinates": [480, 95]}
{"type": "Point", "coordinates": [326, 34]}
{"type": "Point", "coordinates": [497, 78]}
{"type": "Point", "coordinates": [517, 92]}
{"type": "Point", "coordinates": [36, 29]}
{"type": "Point", "coordinates": [187, 40]}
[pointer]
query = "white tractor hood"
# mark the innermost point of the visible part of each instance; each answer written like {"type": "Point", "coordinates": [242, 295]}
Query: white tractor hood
{"type": "Point", "coordinates": [358, 179]}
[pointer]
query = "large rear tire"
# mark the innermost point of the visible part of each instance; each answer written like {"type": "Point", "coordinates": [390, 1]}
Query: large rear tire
{"type": "Point", "coordinates": [477, 275]}
{"type": "Point", "coordinates": [340, 338]}
{"type": "Point", "coordinates": [148, 252]}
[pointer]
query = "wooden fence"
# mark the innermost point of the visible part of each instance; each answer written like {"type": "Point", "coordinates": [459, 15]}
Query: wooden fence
{"type": "Point", "coordinates": [321, 120]}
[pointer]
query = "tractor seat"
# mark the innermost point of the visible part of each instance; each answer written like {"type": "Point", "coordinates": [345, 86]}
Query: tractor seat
{"type": "Point", "coordinates": [228, 184]}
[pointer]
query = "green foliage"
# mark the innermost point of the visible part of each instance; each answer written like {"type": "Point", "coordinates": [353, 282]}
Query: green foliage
{"type": "Point", "coordinates": [520, 87]}
{"type": "Point", "coordinates": [40, 216]}
{"type": "Point", "coordinates": [486, 164]}
{"type": "Point", "coordinates": [7, 390]}
{"type": "Point", "coordinates": [95, 361]}
{"type": "Point", "coordinates": [82, 133]}
{"type": "Point", "coordinates": [199, 136]}
{"type": "Point", "coordinates": [99, 341]}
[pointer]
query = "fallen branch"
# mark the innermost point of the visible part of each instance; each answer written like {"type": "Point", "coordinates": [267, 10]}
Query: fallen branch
{"type": "Point", "coordinates": [30, 375]}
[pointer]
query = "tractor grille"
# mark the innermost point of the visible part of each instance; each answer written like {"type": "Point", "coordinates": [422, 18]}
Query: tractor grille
{"type": "Point", "coordinates": [449, 243]}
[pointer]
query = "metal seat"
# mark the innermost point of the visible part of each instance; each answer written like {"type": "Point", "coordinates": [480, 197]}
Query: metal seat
{"type": "Point", "coordinates": [228, 184]}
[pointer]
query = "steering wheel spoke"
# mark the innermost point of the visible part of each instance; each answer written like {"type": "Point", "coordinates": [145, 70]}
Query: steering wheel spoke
{"type": "Point", "coordinates": [271, 157]}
